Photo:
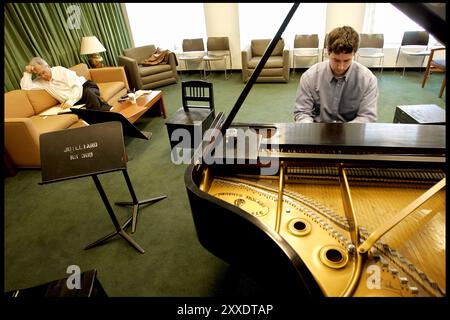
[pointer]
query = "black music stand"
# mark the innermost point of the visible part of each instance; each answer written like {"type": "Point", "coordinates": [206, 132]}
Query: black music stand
{"type": "Point", "coordinates": [135, 203]}
{"type": "Point", "coordinates": [98, 116]}
{"type": "Point", "coordinates": [89, 151]}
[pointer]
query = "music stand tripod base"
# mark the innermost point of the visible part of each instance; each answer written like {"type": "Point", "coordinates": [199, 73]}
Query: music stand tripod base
{"type": "Point", "coordinates": [135, 203]}
{"type": "Point", "coordinates": [119, 229]}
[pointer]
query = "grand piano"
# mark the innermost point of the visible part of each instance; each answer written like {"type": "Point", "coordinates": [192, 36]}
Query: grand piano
{"type": "Point", "coordinates": [352, 210]}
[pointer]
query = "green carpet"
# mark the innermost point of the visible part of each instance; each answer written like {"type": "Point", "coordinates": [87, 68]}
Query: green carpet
{"type": "Point", "coordinates": [47, 226]}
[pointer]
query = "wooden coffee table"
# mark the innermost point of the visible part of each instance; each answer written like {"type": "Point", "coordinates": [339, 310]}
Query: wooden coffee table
{"type": "Point", "coordinates": [133, 111]}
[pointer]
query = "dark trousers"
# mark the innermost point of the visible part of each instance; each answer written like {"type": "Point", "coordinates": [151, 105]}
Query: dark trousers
{"type": "Point", "coordinates": [91, 97]}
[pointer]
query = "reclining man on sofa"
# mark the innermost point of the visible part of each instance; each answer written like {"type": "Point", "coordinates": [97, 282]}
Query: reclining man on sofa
{"type": "Point", "coordinates": [63, 84]}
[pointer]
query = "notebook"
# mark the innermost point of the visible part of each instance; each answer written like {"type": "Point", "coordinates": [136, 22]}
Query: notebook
{"type": "Point", "coordinates": [53, 111]}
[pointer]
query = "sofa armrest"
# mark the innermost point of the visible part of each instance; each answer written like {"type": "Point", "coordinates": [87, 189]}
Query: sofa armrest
{"type": "Point", "coordinates": [286, 57]}
{"type": "Point", "coordinates": [132, 69]}
{"type": "Point", "coordinates": [173, 64]}
{"type": "Point", "coordinates": [109, 74]}
{"type": "Point", "coordinates": [22, 142]}
{"type": "Point", "coordinates": [246, 55]}
{"type": "Point", "coordinates": [286, 64]}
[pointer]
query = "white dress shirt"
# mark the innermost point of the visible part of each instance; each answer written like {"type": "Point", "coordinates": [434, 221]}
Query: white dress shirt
{"type": "Point", "coordinates": [65, 85]}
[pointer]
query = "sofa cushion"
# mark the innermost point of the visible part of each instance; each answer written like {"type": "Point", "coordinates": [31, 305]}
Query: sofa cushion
{"type": "Point", "coordinates": [17, 105]}
{"type": "Point", "coordinates": [260, 45]}
{"type": "Point", "coordinates": [146, 71]}
{"type": "Point", "coordinates": [139, 53]}
{"type": "Point", "coordinates": [109, 89]}
{"type": "Point", "coordinates": [53, 123]}
{"type": "Point", "coordinates": [41, 100]}
{"type": "Point", "coordinates": [82, 70]}
{"type": "Point", "coordinates": [272, 62]}
{"type": "Point", "coordinates": [157, 77]}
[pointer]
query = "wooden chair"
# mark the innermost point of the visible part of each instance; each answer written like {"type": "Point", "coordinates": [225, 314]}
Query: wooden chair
{"type": "Point", "coordinates": [435, 65]}
{"type": "Point", "coordinates": [195, 117]}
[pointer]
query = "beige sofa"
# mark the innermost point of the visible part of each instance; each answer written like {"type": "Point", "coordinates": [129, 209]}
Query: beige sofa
{"type": "Point", "coordinates": [23, 125]}
{"type": "Point", "coordinates": [276, 68]}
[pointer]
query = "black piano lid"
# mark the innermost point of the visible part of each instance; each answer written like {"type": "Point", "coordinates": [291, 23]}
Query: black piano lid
{"type": "Point", "coordinates": [395, 136]}
{"type": "Point", "coordinates": [430, 16]}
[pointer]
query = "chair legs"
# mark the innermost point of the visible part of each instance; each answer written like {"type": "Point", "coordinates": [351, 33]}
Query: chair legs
{"type": "Point", "coordinates": [442, 88]}
{"type": "Point", "coordinates": [207, 66]}
{"type": "Point", "coordinates": [425, 76]}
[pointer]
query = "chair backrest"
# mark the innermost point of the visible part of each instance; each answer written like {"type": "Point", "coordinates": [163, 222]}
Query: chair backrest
{"type": "Point", "coordinates": [139, 53]}
{"type": "Point", "coordinates": [193, 45]}
{"type": "Point", "coordinates": [438, 63]}
{"type": "Point", "coordinates": [306, 41]}
{"type": "Point", "coordinates": [419, 38]}
{"type": "Point", "coordinates": [259, 46]}
{"type": "Point", "coordinates": [82, 70]}
{"type": "Point", "coordinates": [324, 49]}
{"type": "Point", "coordinates": [218, 44]}
{"type": "Point", "coordinates": [371, 40]}
{"type": "Point", "coordinates": [197, 91]}
{"type": "Point", "coordinates": [325, 41]}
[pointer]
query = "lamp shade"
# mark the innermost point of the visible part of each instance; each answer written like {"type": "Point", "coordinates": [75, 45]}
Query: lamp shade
{"type": "Point", "coordinates": [90, 45]}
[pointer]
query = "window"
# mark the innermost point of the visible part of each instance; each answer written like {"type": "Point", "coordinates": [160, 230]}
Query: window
{"type": "Point", "coordinates": [262, 21]}
{"type": "Point", "coordinates": [165, 24]}
{"type": "Point", "coordinates": [387, 19]}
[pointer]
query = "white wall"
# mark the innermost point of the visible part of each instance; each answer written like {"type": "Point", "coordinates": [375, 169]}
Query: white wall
{"type": "Point", "coordinates": [222, 19]}
{"type": "Point", "coordinates": [340, 14]}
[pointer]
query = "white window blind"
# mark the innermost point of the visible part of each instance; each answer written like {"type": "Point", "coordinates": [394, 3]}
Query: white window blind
{"type": "Point", "coordinates": [165, 24]}
{"type": "Point", "coordinates": [262, 21]}
{"type": "Point", "coordinates": [387, 19]}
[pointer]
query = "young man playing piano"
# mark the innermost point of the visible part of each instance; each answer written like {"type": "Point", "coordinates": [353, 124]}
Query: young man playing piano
{"type": "Point", "coordinates": [339, 89]}
{"type": "Point", "coordinates": [63, 84]}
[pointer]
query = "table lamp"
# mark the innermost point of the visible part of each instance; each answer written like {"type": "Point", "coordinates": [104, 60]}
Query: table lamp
{"type": "Point", "coordinates": [91, 46]}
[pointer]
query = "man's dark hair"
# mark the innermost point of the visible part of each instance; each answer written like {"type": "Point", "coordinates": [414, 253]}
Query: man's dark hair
{"type": "Point", "coordinates": [343, 40]}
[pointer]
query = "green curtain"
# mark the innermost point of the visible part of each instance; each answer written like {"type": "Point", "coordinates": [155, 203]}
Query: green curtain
{"type": "Point", "coordinates": [53, 31]}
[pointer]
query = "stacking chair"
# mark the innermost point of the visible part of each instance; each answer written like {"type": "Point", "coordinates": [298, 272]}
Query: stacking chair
{"type": "Point", "coordinates": [193, 52]}
{"type": "Point", "coordinates": [371, 47]}
{"type": "Point", "coordinates": [218, 48]}
{"type": "Point", "coordinates": [305, 46]}
{"type": "Point", "coordinates": [435, 65]}
{"type": "Point", "coordinates": [190, 122]}
{"type": "Point", "coordinates": [414, 44]}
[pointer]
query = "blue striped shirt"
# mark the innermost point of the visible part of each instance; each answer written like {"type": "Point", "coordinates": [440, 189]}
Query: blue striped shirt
{"type": "Point", "coordinates": [321, 97]}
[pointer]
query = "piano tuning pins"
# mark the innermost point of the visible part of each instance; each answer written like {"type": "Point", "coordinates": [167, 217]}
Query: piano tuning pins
{"type": "Point", "coordinates": [403, 280]}
{"type": "Point", "coordinates": [422, 274]}
{"type": "Point", "coordinates": [414, 290]}
{"type": "Point", "coordinates": [374, 253]}
{"type": "Point", "coordinates": [393, 271]}
{"type": "Point", "coordinates": [434, 285]}
{"type": "Point", "coordinates": [383, 262]}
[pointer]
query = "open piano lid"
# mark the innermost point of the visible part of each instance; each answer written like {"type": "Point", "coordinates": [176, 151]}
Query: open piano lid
{"type": "Point", "coordinates": [234, 209]}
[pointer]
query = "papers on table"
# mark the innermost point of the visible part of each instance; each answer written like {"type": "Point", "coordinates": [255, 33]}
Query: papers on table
{"type": "Point", "coordinates": [54, 111]}
{"type": "Point", "coordinates": [141, 92]}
